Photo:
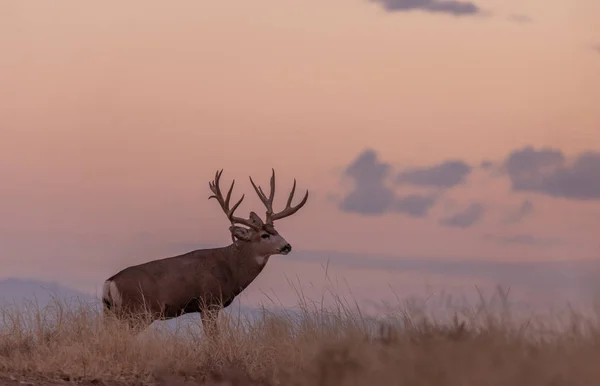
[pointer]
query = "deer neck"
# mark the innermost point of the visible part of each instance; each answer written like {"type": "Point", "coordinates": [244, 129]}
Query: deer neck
{"type": "Point", "coordinates": [248, 263]}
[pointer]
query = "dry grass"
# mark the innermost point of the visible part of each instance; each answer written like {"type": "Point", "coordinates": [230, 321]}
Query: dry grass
{"type": "Point", "coordinates": [320, 346]}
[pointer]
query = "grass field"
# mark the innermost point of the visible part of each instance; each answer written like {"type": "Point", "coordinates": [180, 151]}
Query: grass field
{"type": "Point", "coordinates": [71, 342]}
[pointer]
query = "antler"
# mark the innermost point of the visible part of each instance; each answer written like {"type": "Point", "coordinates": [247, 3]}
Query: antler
{"type": "Point", "coordinates": [268, 202]}
{"type": "Point", "coordinates": [214, 187]}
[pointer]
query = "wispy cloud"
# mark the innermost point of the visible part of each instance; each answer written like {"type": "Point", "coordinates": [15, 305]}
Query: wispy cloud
{"type": "Point", "coordinates": [414, 205]}
{"type": "Point", "coordinates": [465, 218]}
{"type": "Point", "coordinates": [520, 18]}
{"type": "Point", "coordinates": [522, 239]}
{"type": "Point", "coordinates": [505, 272]}
{"type": "Point", "coordinates": [451, 7]}
{"type": "Point", "coordinates": [486, 164]}
{"type": "Point", "coordinates": [526, 239]}
{"type": "Point", "coordinates": [444, 175]}
{"type": "Point", "coordinates": [525, 209]}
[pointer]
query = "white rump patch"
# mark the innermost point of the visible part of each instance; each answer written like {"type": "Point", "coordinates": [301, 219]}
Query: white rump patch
{"type": "Point", "coordinates": [111, 293]}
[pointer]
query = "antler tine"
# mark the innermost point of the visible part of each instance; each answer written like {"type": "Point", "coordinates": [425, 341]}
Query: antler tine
{"type": "Point", "coordinates": [290, 210]}
{"type": "Point", "coordinates": [215, 188]}
{"type": "Point", "coordinates": [289, 201]}
{"type": "Point", "coordinates": [268, 202]}
{"type": "Point", "coordinates": [229, 196]}
{"type": "Point", "coordinates": [272, 195]}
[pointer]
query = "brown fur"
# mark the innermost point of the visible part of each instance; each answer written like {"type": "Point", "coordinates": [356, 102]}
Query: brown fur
{"type": "Point", "coordinates": [196, 280]}
{"type": "Point", "coordinates": [204, 280]}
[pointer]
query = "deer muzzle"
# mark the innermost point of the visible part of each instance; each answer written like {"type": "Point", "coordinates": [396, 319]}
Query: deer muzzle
{"type": "Point", "coordinates": [286, 249]}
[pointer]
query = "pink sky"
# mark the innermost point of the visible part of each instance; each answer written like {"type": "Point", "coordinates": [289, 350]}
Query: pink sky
{"type": "Point", "coordinates": [115, 117]}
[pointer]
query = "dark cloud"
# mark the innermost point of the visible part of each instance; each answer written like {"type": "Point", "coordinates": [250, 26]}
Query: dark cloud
{"type": "Point", "coordinates": [465, 218]}
{"type": "Point", "coordinates": [370, 195]}
{"type": "Point", "coordinates": [544, 171]}
{"type": "Point", "coordinates": [547, 171]}
{"type": "Point", "coordinates": [451, 7]}
{"type": "Point", "coordinates": [445, 175]}
{"type": "Point", "coordinates": [524, 210]}
{"type": "Point", "coordinates": [519, 18]}
{"type": "Point", "coordinates": [414, 205]}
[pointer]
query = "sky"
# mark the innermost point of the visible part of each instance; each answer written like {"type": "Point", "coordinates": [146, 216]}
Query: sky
{"type": "Point", "coordinates": [425, 130]}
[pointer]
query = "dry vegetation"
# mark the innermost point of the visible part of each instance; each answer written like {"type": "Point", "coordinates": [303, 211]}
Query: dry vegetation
{"type": "Point", "coordinates": [320, 346]}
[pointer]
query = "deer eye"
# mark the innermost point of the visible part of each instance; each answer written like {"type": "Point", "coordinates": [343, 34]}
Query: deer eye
{"type": "Point", "coordinates": [265, 236]}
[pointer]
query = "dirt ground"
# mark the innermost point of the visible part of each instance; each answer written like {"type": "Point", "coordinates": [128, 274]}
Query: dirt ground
{"type": "Point", "coordinates": [231, 378]}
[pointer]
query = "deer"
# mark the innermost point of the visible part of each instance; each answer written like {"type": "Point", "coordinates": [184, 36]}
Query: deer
{"type": "Point", "coordinates": [202, 281]}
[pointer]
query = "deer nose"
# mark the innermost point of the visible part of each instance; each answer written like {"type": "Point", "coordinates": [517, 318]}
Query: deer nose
{"type": "Point", "coordinates": [286, 248]}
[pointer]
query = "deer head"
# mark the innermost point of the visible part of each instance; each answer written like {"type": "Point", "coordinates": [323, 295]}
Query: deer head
{"type": "Point", "coordinates": [260, 236]}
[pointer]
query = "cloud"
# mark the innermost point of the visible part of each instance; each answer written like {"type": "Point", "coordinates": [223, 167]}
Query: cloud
{"type": "Point", "coordinates": [451, 7]}
{"type": "Point", "coordinates": [370, 195]}
{"type": "Point", "coordinates": [522, 239]}
{"type": "Point", "coordinates": [527, 273]}
{"type": "Point", "coordinates": [546, 171]}
{"type": "Point", "coordinates": [486, 164]}
{"type": "Point", "coordinates": [526, 239]}
{"type": "Point", "coordinates": [465, 218]}
{"type": "Point", "coordinates": [444, 175]}
{"type": "Point", "coordinates": [520, 18]}
{"type": "Point", "coordinates": [524, 210]}
{"type": "Point", "coordinates": [414, 205]}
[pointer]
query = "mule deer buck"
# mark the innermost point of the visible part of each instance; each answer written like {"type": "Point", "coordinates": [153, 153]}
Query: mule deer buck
{"type": "Point", "coordinates": [204, 280]}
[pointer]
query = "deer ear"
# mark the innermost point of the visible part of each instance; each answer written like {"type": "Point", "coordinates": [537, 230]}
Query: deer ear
{"type": "Point", "coordinates": [241, 233]}
{"type": "Point", "coordinates": [256, 220]}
